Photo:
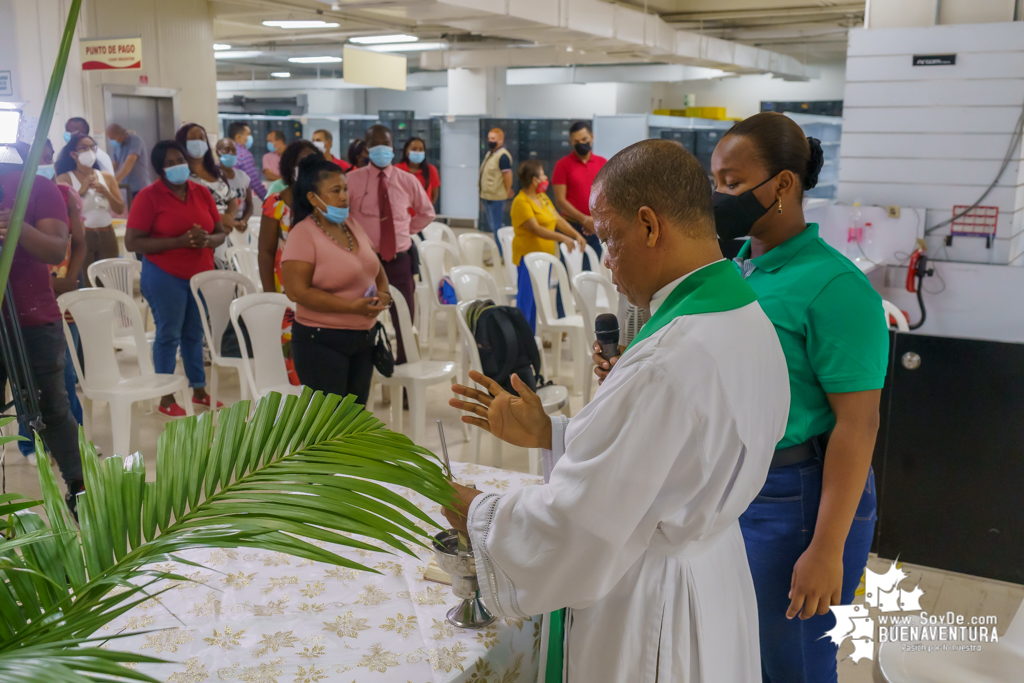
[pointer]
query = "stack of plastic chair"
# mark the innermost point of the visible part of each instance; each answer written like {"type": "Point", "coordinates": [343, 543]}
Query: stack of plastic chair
{"type": "Point", "coordinates": [121, 274]}
{"type": "Point", "coordinates": [505, 237]}
{"type": "Point", "coordinates": [264, 366]}
{"type": "Point", "coordinates": [541, 266]}
{"type": "Point", "coordinates": [473, 246]}
{"type": "Point", "coordinates": [440, 231]}
{"type": "Point", "coordinates": [554, 397]}
{"type": "Point", "coordinates": [435, 256]}
{"type": "Point", "coordinates": [214, 291]}
{"type": "Point", "coordinates": [414, 375]}
{"type": "Point", "coordinates": [96, 312]}
{"type": "Point", "coordinates": [594, 295]}
{"type": "Point", "coordinates": [574, 259]}
{"type": "Point", "coordinates": [246, 260]}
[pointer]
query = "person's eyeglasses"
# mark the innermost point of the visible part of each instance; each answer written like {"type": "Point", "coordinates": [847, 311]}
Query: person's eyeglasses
{"type": "Point", "coordinates": [88, 149]}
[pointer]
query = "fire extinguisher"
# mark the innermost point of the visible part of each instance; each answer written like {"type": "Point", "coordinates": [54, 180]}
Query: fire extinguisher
{"type": "Point", "coordinates": [917, 271]}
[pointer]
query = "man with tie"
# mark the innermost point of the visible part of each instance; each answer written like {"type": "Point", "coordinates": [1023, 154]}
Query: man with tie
{"type": "Point", "coordinates": [391, 206]}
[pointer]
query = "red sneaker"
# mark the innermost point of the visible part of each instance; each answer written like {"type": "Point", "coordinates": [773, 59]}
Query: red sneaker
{"type": "Point", "coordinates": [206, 402]}
{"type": "Point", "coordinates": [173, 410]}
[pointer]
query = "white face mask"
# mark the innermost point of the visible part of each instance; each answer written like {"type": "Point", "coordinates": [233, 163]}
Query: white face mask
{"type": "Point", "coordinates": [87, 158]}
{"type": "Point", "coordinates": [319, 145]}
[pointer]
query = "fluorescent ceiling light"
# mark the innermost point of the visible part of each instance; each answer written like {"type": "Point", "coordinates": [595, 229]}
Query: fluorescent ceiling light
{"type": "Point", "coordinates": [407, 47]}
{"type": "Point", "coordinates": [281, 74]}
{"type": "Point", "coordinates": [376, 40]}
{"type": "Point", "coordinates": [301, 24]}
{"type": "Point", "coordinates": [314, 60]}
{"type": "Point", "coordinates": [237, 54]}
{"type": "Point", "coordinates": [221, 46]}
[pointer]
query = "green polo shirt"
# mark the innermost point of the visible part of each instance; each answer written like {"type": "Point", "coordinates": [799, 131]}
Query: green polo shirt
{"type": "Point", "coordinates": [830, 323]}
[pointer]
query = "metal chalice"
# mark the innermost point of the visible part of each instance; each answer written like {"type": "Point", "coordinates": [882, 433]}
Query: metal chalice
{"type": "Point", "coordinates": [470, 613]}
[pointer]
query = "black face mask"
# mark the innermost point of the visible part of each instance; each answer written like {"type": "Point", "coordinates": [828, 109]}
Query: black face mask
{"type": "Point", "coordinates": [735, 214]}
{"type": "Point", "coordinates": [582, 148]}
{"type": "Point", "coordinates": [491, 144]}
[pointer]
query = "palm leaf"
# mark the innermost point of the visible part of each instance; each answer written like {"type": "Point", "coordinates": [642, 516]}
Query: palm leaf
{"type": "Point", "coordinates": [297, 472]}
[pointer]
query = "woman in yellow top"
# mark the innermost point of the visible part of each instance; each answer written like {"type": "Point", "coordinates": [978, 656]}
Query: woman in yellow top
{"type": "Point", "coordinates": [538, 227]}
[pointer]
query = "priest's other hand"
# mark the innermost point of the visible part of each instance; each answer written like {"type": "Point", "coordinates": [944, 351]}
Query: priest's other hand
{"type": "Point", "coordinates": [459, 511]}
{"type": "Point", "coordinates": [817, 583]}
{"type": "Point", "coordinates": [603, 367]}
{"type": "Point", "coordinates": [518, 420]}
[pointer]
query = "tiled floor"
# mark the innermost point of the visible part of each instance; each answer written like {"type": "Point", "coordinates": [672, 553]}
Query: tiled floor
{"type": "Point", "coordinates": [942, 590]}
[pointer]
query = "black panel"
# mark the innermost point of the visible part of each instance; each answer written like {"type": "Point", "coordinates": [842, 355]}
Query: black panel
{"type": "Point", "coordinates": [952, 460]}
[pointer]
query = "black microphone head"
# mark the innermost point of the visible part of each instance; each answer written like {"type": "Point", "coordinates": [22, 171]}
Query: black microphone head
{"type": "Point", "coordinates": [606, 322]}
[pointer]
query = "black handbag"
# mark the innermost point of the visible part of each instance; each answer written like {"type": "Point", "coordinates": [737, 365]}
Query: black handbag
{"type": "Point", "coordinates": [383, 359]}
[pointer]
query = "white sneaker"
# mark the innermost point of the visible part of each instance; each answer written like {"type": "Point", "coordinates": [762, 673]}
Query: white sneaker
{"type": "Point", "coordinates": [31, 457]}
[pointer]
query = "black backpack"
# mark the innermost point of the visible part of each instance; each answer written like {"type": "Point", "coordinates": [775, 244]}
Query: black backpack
{"type": "Point", "coordinates": [506, 344]}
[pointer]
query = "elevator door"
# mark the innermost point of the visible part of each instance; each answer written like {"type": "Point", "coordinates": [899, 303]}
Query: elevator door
{"type": "Point", "coordinates": [150, 117]}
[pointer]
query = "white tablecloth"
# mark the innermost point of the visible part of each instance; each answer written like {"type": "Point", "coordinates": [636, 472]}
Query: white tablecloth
{"type": "Point", "coordinates": [259, 617]}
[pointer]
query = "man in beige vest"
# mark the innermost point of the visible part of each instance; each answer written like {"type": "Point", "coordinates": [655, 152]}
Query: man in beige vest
{"type": "Point", "coordinates": [496, 180]}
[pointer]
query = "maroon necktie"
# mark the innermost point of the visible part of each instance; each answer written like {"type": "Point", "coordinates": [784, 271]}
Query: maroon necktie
{"type": "Point", "coordinates": [387, 221]}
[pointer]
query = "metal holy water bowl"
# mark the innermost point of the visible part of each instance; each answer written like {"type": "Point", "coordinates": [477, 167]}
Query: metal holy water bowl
{"type": "Point", "coordinates": [461, 567]}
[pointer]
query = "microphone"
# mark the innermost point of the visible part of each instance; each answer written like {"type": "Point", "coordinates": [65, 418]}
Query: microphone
{"type": "Point", "coordinates": [606, 329]}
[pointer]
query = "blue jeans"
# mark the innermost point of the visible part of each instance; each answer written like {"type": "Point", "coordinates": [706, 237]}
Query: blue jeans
{"type": "Point", "coordinates": [70, 380]}
{"type": "Point", "coordinates": [177, 323]}
{"type": "Point", "coordinates": [777, 529]}
{"type": "Point", "coordinates": [494, 208]}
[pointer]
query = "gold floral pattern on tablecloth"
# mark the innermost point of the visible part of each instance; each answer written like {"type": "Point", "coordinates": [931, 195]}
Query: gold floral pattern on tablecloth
{"type": "Point", "coordinates": [248, 616]}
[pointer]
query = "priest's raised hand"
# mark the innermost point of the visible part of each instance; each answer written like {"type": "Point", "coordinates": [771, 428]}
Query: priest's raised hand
{"type": "Point", "coordinates": [518, 420]}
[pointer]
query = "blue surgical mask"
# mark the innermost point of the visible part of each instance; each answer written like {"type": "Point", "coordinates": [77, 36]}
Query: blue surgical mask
{"type": "Point", "coordinates": [417, 157]}
{"type": "Point", "coordinates": [381, 155]}
{"type": "Point", "coordinates": [176, 175]}
{"type": "Point", "coordinates": [335, 214]}
{"type": "Point", "coordinates": [196, 148]}
{"type": "Point", "coordinates": [248, 142]}
{"type": "Point", "coordinates": [115, 145]}
{"type": "Point", "coordinates": [67, 136]}
{"type": "Point", "coordinates": [271, 147]}
{"type": "Point", "coordinates": [228, 160]}
{"type": "Point", "coordinates": [45, 170]}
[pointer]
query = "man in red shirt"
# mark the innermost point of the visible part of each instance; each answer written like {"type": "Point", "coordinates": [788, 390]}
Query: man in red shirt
{"type": "Point", "coordinates": [43, 240]}
{"type": "Point", "coordinates": [572, 179]}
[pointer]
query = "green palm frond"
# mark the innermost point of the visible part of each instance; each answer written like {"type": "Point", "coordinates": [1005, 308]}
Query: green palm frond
{"type": "Point", "coordinates": [298, 472]}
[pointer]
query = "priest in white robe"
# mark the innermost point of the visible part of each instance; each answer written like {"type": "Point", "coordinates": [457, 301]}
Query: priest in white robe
{"type": "Point", "coordinates": [637, 532]}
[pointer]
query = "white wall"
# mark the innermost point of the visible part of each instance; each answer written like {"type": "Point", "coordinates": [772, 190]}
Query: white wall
{"type": "Point", "coordinates": [424, 102]}
{"type": "Point", "coordinates": [936, 136]}
{"type": "Point", "coordinates": [917, 13]}
{"type": "Point", "coordinates": [566, 101]}
{"type": "Point", "coordinates": [742, 95]}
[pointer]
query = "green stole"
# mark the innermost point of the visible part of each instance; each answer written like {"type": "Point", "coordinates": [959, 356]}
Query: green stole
{"type": "Point", "coordinates": [711, 289]}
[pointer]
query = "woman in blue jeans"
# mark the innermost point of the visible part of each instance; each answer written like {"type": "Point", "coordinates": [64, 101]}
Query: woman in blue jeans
{"type": "Point", "coordinates": [808, 532]}
{"type": "Point", "coordinates": [175, 224]}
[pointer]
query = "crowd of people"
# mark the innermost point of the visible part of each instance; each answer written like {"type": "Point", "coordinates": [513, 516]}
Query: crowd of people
{"type": "Point", "coordinates": [788, 386]}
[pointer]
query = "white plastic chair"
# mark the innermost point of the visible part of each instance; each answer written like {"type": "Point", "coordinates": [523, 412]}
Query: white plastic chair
{"type": "Point", "coordinates": [554, 397]}
{"type": "Point", "coordinates": [593, 296]}
{"type": "Point", "coordinates": [121, 274]}
{"type": "Point", "coordinates": [262, 314]}
{"type": "Point", "coordinates": [96, 311]}
{"type": "Point", "coordinates": [505, 237]}
{"type": "Point", "coordinates": [1002, 661]}
{"type": "Point", "coordinates": [574, 259]}
{"type": "Point", "coordinates": [414, 375]}
{"type": "Point", "coordinates": [541, 266]}
{"type": "Point", "coordinates": [218, 288]}
{"type": "Point", "coordinates": [241, 239]}
{"type": "Point", "coordinates": [891, 309]}
{"type": "Point", "coordinates": [440, 231]}
{"type": "Point", "coordinates": [435, 256]}
{"type": "Point", "coordinates": [246, 260]}
{"type": "Point", "coordinates": [473, 282]}
{"type": "Point", "coordinates": [473, 246]}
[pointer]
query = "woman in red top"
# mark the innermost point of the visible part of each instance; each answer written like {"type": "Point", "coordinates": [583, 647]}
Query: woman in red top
{"type": "Point", "coordinates": [175, 223]}
{"type": "Point", "coordinates": [414, 160]}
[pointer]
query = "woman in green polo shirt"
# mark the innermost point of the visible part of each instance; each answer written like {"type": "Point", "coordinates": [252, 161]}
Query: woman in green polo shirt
{"type": "Point", "coordinates": [809, 531]}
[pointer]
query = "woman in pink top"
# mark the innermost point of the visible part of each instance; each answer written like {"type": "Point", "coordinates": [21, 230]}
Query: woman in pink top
{"type": "Point", "coordinates": [333, 275]}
